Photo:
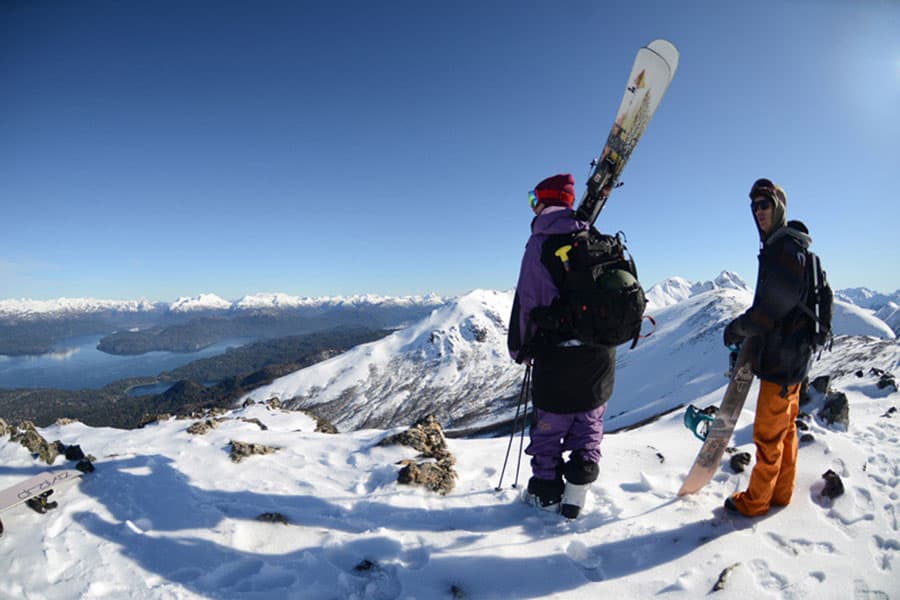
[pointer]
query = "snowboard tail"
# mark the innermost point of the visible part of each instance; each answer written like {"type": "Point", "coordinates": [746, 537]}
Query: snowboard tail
{"type": "Point", "coordinates": [653, 70]}
{"type": "Point", "coordinates": [707, 462]}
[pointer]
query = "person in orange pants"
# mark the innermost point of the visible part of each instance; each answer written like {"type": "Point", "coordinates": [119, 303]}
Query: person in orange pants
{"type": "Point", "coordinates": [783, 349]}
{"type": "Point", "coordinates": [775, 436]}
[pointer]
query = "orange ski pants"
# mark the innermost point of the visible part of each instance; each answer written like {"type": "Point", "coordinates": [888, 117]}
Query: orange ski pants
{"type": "Point", "coordinates": [775, 436]}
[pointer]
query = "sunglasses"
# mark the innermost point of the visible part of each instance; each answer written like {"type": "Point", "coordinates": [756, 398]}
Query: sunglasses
{"type": "Point", "coordinates": [761, 205]}
{"type": "Point", "coordinates": [533, 200]}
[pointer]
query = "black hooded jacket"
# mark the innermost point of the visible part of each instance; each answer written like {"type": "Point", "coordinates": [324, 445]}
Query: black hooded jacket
{"type": "Point", "coordinates": [784, 349]}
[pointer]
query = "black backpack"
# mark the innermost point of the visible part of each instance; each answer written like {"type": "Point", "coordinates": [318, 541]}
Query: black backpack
{"type": "Point", "coordinates": [819, 304]}
{"type": "Point", "coordinates": [601, 301]}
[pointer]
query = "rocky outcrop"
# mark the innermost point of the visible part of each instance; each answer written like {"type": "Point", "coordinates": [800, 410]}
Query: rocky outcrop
{"type": "Point", "coordinates": [436, 471]}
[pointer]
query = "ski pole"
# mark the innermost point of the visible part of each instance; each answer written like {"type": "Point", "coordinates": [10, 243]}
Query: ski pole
{"type": "Point", "coordinates": [524, 420]}
{"type": "Point", "coordinates": [512, 433]}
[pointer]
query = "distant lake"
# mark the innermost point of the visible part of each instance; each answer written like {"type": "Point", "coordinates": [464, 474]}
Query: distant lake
{"type": "Point", "coordinates": [76, 364]}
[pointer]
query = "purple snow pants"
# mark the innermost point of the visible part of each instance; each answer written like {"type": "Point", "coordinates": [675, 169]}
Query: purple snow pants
{"type": "Point", "coordinates": [554, 433]}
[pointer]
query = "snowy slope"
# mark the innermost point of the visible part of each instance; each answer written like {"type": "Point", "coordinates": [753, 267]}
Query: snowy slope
{"type": "Point", "coordinates": [849, 319]}
{"type": "Point", "coordinates": [167, 515]}
{"type": "Point", "coordinates": [453, 363]}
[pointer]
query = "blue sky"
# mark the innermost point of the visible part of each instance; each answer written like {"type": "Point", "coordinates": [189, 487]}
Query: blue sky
{"type": "Point", "coordinates": [163, 149]}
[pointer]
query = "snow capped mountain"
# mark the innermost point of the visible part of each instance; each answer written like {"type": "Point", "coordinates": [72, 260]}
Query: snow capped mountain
{"type": "Point", "coordinates": [199, 303]}
{"type": "Point", "coordinates": [866, 298]}
{"type": "Point", "coordinates": [64, 307]}
{"type": "Point", "coordinates": [676, 289]}
{"type": "Point", "coordinates": [263, 302]}
{"type": "Point", "coordinates": [276, 301]}
{"type": "Point", "coordinates": [453, 363]}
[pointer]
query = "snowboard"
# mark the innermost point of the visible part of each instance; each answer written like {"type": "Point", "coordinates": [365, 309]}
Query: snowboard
{"type": "Point", "coordinates": [653, 70]}
{"type": "Point", "coordinates": [34, 487]}
{"type": "Point", "coordinates": [707, 462]}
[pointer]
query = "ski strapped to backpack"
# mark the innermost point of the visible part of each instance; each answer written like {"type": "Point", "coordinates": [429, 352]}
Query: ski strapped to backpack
{"type": "Point", "coordinates": [819, 302]}
{"type": "Point", "coordinates": [601, 301]}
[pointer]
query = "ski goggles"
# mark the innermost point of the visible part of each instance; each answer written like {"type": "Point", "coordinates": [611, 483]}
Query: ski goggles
{"type": "Point", "coordinates": [764, 204]}
{"type": "Point", "coordinates": [533, 199]}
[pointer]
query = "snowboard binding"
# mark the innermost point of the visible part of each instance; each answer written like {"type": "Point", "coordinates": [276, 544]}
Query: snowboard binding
{"type": "Point", "coordinates": [39, 503]}
{"type": "Point", "coordinates": [699, 420]}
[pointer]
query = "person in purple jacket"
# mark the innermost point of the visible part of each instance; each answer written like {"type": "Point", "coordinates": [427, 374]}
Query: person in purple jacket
{"type": "Point", "coordinates": [571, 381]}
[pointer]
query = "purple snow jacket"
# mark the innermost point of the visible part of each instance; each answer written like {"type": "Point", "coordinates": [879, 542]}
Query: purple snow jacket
{"type": "Point", "coordinates": [535, 286]}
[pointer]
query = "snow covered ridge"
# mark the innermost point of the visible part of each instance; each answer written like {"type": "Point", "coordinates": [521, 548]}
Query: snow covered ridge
{"type": "Point", "coordinates": [675, 289]}
{"type": "Point", "coordinates": [62, 307]}
{"type": "Point", "coordinates": [452, 363]}
{"type": "Point", "coordinates": [70, 307]}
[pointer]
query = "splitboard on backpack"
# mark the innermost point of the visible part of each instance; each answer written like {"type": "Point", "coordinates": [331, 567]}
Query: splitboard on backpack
{"type": "Point", "coordinates": [601, 301]}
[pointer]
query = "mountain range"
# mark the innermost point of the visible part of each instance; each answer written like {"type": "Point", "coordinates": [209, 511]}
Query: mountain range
{"type": "Point", "coordinates": [12, 310]}
{"type": "Point", "coordinates": [454, 362]}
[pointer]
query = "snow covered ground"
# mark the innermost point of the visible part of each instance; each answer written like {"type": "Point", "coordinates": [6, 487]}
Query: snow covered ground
{"type": "Point", "coordinates": [167, 514]}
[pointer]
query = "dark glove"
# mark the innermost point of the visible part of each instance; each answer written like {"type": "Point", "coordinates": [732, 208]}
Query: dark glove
{"type": "Point", "coordinates": [732, 337]}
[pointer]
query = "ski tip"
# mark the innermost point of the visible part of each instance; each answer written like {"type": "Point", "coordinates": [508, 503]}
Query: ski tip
{"type": "Point", "coordinates": [667, 51]}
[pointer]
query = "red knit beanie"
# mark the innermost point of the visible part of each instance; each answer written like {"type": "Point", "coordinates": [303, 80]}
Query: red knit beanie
{"type": "Point", "coordinates": [558, 190]}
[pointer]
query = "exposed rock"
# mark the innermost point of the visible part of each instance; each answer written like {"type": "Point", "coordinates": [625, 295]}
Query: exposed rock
{"type": "Point", "coordinates": [151, 419]}
{"type": "Point", "coordinates": [241, 450]}
{"type": "Point", "coordinates": [804, 391]}
{"type": "Point", "coordinates": [426, 436]}
{"type": "Point", "coordinates": [248, 403]}
{"type": "Point", "coordinates": [272, 517]}
{"type": "Point", "coordinates": [890, 412]}
{"type": "Point", "coordinates": [256, 422]}
{"type": "Point", "coordinates": [887, 381]}
{"type": "Point", "coordinates": [204, 427]}
{"type": "Point", "coordinates": [739, 461]}
{"type": "Point", "coordinates": [74, 452]}
{"type": "Point", "coordinates": [65, 421]}
{"type": "Point", "coordinates": [834, 487]}
{"type": "Point", "coordinates": [723, 578]}
{"type": "Point", "coordinates": [801, 425]}
{"type": "Point", "coordinates": [322, 425]}
{"type": "Point", "coordinates": [438, 476]}
{"type": "Point", "coordinates": [821, 383]}
{"type": "Point", "coordinates": [27, 435]}
{"type": "Point", "coordinates": [6, 429]}
{"type": "Point", "coordinates": [836, 410]}
{"type": "Point", "coordinates": [807, 438]}
{"type": "Point", "coordinates": [274, 403]}
{"type": "Point", "coordinates": [365, 565]}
